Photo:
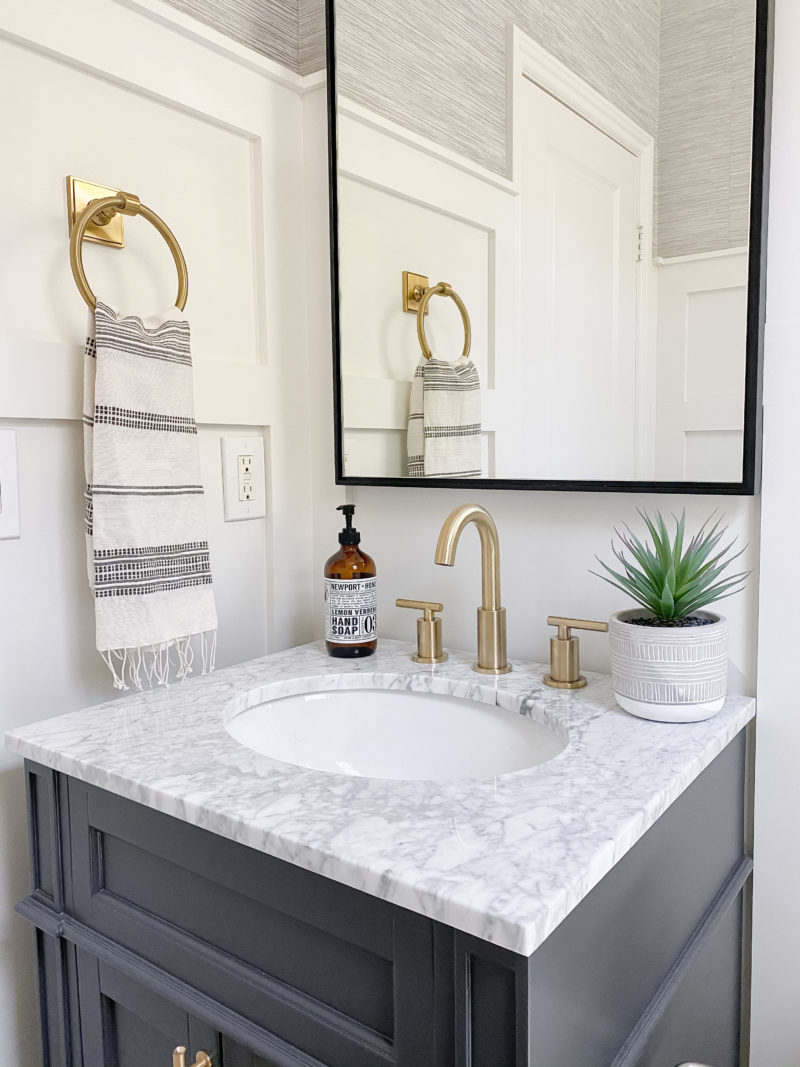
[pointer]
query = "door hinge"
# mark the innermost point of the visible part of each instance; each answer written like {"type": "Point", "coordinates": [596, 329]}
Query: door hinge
{"type": "Point", "coordinates": [639, 244]}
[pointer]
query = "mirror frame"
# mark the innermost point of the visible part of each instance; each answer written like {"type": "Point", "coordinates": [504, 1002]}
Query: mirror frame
{"type": "Point", "coordinates": [756, 304]}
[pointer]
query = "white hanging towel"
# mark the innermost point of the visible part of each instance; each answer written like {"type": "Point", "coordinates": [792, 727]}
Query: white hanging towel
{"type": "Point", "coordinates": [444, 420]}
{"type": "Point", "coordinates": [147, 546]}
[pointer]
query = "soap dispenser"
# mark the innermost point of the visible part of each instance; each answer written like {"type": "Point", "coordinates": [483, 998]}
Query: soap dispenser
{"type": "Point", "coordinates": [350, 595]}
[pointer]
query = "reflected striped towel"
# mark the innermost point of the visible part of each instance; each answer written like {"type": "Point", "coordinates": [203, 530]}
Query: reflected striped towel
{"type": "Point", "coordinates": [444, 420]}
{"type": "Point", "coordinates": [147, 548]}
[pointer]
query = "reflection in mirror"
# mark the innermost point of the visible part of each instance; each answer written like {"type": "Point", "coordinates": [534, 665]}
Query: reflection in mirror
{"type": "Point", "coordinates": [580, 174]}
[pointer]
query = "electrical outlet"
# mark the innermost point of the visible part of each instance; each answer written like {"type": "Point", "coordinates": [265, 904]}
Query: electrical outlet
{"type": "Point", "coordinates": [245, 466]}
{"type": "Point", "coordinates": [244, 490]}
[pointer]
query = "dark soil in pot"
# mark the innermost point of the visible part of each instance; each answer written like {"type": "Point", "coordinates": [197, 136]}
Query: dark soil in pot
{"type": "Point", "coordinates": [688, 620]}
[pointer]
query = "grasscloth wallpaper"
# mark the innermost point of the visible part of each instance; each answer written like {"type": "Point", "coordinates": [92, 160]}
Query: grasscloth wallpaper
{"type": "Point", "coordinates": [704, 128]}
{"type": "Point", "coordinates": [682, 69]}
{"type": "Point", "coordinates": [443, 71]}
{"type": "Point", "coordinates": [292, 32]}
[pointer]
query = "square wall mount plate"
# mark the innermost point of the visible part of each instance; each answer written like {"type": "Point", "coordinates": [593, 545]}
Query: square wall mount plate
{"type": "Point", "coordinates": [412, 284]}
{"type": "Point", "coordinates": [79, 193]}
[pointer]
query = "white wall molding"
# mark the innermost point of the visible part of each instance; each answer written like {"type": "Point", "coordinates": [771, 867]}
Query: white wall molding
{"type": "Point", "coordinates": [410, 170]}
{"type": "Point", "coordinates": [699, 257]}
{"type": "Point", "coordinates": [357, 112]}
{"type": "Point", "coordinates": [198, 31]}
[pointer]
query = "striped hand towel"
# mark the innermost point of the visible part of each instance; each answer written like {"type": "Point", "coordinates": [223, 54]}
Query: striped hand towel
{"type": "Point", "coordinates": [147, 545]}
{"type": "Point", "coordinates": [444, 420]}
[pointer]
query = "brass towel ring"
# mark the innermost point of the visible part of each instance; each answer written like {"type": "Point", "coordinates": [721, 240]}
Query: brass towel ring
{"type": "Point", "coordinates": [102, 211]}
{"type": "Point", "coordinates": [442, 289]}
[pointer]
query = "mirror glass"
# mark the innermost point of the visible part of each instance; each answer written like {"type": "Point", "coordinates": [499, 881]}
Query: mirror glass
{"type": "Point", "coordinates": [579, 174]}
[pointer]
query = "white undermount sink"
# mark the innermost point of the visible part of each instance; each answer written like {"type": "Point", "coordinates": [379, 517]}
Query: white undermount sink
{"type": "Point", "coordinates": [390, 733]}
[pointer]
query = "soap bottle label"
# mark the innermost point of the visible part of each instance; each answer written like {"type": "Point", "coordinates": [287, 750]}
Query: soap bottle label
{"type": "Point", "coordinates": [351, 610]}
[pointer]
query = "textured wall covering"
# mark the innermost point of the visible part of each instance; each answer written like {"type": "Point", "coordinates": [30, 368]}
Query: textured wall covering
{"type": "Point", "coordinates": [312, 36]}
{"type": "Point", "coordinates": [704, 131]}
{"type": "Point", "coordinates": [291, 32]}
{"type": "Point", "coordinates": [683, 69]}
{"type": "Point", "coordinates": [442, 71]}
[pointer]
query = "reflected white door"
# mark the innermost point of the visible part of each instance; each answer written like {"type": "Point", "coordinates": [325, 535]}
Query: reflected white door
{"type": "Point", "coordinates": [580, 241]}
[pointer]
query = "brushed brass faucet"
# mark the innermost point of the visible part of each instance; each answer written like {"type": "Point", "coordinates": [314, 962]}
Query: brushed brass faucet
{"type": "Point", "coordinates": [491, 616]}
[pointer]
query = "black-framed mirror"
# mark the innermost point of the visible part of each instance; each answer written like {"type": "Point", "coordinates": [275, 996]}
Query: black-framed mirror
{"type": "Point", "coordinates": [589, 180]}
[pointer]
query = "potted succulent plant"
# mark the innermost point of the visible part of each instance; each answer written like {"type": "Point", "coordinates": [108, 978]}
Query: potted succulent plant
{"type": "Point", "coordinates": [669, 657]}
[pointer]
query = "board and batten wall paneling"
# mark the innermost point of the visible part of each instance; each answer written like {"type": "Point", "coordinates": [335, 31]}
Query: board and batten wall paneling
{"type": "Point", "coordinates": [192, 128]}
{"type": "Point", "coordinates": [702, 321]}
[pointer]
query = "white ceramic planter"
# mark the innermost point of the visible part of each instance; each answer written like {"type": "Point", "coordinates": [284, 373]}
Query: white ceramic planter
{"type": "Point", "coordinates": [670, 674]}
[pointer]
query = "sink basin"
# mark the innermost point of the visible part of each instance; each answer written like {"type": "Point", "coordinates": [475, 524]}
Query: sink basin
{"type": "Point", "coordinates": [390, 733]}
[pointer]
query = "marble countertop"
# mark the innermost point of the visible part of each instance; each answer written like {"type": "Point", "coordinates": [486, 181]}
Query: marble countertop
{"type": "Point", "coordinates": [505, 858]}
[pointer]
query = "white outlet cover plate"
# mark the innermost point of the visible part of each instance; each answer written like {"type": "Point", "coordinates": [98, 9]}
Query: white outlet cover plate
{"type": "Point", "coordinates": [9, 485]}
{"type": "Point", "coordinates": [236, 509]}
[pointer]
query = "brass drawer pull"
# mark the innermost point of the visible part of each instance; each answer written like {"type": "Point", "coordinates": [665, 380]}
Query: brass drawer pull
{"type": "Point", "coordinates": [179, 1058]}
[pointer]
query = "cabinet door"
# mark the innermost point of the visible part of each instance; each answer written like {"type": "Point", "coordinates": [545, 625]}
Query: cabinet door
{"type": "Point", "coordinates": [124, 1024]}
{"type": "Point", "coordinates": [701, 1023]}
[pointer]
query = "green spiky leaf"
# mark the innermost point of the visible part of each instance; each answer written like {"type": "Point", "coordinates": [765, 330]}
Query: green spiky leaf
{"type": "Point", "coordinates": [668, 579]}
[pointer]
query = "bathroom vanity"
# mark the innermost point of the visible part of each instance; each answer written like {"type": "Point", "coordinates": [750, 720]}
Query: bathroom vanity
{"type": "Point", "coordinates": [583, 912]}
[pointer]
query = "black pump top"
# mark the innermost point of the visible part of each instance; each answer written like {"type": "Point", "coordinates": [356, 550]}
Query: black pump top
{"type": "Point", "coordinates": [348, 536]}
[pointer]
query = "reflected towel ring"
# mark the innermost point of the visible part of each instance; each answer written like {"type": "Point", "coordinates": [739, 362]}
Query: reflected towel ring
{"type": "Point", "coordinates": [442, 289]}
{"type": "Point", "coordinates": [102, 211]}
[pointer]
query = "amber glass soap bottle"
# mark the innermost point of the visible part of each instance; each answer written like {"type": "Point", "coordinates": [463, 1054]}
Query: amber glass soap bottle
{"type": "Point", "coordinates": [350, 595]}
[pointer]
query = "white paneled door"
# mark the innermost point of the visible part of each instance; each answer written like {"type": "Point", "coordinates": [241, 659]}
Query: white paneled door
{"type": "Point", "coordinates": [579, 190]}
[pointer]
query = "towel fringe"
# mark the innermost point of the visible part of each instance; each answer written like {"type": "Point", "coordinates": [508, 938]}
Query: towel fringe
{"type": "Point", "coordinates": [151, 664]}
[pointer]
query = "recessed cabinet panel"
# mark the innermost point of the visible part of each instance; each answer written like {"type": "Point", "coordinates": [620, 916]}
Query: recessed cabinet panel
{"type": "Point", "coordinates": [325, 972]}
{"type": "Point", "coordinates": [701, 1023]}
{"type": "Point", "coordinates": [596, 974]}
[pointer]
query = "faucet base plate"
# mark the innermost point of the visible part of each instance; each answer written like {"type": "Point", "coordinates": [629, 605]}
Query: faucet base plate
{"type": "Point", "coordinates": [579, 683]}
{"type": "Point", "coordinates": [492, 670]}
{"type": "Point", "coordinates": [431, 660]}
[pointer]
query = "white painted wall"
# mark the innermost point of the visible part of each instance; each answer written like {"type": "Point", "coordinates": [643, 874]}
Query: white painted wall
{"type": "Point", "coordinates": [230, 129]}
{"type": "Point", "coordinates": [547, 546]}
{"type": "Point", "coordinates": [776, 930]}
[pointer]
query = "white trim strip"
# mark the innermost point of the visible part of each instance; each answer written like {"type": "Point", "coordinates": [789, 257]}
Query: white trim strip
{"type": "Point", "coordinates": [198, 31]}
{"type": "Point", "coordinates": [697, 257]}
{"type": "Point", "coordinates": [366, 117]}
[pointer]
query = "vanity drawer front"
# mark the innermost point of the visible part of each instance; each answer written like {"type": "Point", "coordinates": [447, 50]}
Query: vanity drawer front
{"type": "Point", "coordinates": [341, 975]}
{"type": "Point", "coordinates": [597, 973]}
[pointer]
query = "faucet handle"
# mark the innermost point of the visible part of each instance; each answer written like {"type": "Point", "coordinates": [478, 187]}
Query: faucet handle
{"type": "Point", "coordinates": [565, 672]}
{"type": "Point", "coordinates": [429, 631]}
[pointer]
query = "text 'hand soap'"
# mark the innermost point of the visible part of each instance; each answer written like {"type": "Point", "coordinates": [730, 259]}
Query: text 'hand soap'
{"type": "Point", "coordinates": [350, 595]}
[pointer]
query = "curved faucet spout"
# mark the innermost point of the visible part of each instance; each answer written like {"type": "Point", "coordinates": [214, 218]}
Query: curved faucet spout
{"type": "Point", "coordinates": [491, 616]}
{"type": "Point", "coordinates": [447, 544]}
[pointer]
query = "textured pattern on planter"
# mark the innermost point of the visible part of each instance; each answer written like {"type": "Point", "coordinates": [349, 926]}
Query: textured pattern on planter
{"type": "Point", "coordinates": [668, 666]}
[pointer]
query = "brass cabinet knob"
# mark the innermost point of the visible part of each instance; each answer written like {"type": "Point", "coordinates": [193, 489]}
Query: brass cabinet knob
{"type": "Point", "coordinates": [565, 670]}
{"type": "Point", "coordinates": [179, 1058]}
{"type": "Point", "coordinates": [429, 631]}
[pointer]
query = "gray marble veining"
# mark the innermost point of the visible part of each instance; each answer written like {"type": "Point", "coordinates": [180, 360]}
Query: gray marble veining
{"type": "Point", "coordinates": [505, 858]}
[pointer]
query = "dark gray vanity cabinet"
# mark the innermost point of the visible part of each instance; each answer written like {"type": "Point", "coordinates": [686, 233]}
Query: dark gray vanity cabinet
{"type": "Point", "coordinates": [153, 933]}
